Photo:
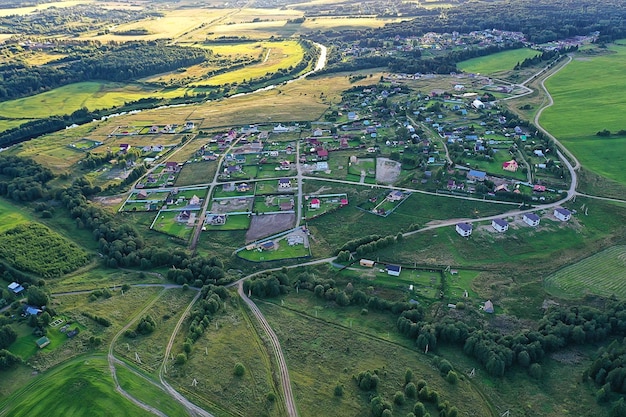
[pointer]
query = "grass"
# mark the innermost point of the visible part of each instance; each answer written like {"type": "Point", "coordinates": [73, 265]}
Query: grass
{"type": "Point", "coordinates": [501, 61]}
{"type": "Point", "coordinates": [87, 389]}
{"type": "Point", "coordinates": [11, 216]}
{"type": "Point", "coordinates": [99, 277]}
{"type": "Point", "coordinates": [593, 275]}
{"type": "Point", "coordinates": [233, 222]}
{"type": "Point", "coordinates": [321, 354]}
{"type": "Point", "coordinates": [284, 251]}
{"type": "Point", "coordinates": [213, 358]}
{"type": "Point", "coordinates": [196, 173]}
{"type": "Point", "coordinates": [587, 100]}
{"type": "Point", "coordinates": [148, 393]}
{"type": "Point", "coordinates": [167, 223]}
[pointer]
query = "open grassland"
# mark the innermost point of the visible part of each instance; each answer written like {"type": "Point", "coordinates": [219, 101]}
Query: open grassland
{"type": "Point", "coordinates": [34, 248]}
{"type": "Point", "coordinates": [100, 277]}
{"type": "Point", "coordinates": [600, 274]}
{"type": "Point", "coordinates": [87, 389]}
{"type": "Point", "coordinates": [278, 55]}
{"type": "Point", "coordinates": [230, 338]}
{"type": "Point", "coordinates": [11, 216]}
{"type": "Point", "coordinates": [588, 99]}
{"type": "Point", "coordinates": [173, 25]}
{"type": "Point", "coordinates": [151, 347]}
{"type": "Point", "coordinates": [148, 393]}
{"type": "Point", "coordinates": [501, 61]}
{"type": "Point", "coordinates": [69, 98]}
{"type": "Point", "coordinates": [32, 9]}
{"type": "Point", "coordinates": [321, 355]}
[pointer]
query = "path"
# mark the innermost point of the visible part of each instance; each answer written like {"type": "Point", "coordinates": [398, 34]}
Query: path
{"type": "Point", "coordinates": [285, 381]}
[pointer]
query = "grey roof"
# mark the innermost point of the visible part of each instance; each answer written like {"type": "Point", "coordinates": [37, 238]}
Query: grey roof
{"type": "Point", "coordinates": [501, 222]}
{"type": "Point", "coordinates": [466, 227]}
{"type": "Point", "coordinates": [531, 216]}
{"type": "Point", "coordinates": [563, 211]}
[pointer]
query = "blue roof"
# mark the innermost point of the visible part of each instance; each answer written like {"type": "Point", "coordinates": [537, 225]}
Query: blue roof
{"type": "Point", "coordinates": [32, 311]}
{"type": "Point", "coordinates": [394, 268]}
{"type": "Point", "coordinates": [464, 226]}
{"type": "Point", "coordinates": [269, 244]}
{"type": "Point", "coordinates": [477, 174]}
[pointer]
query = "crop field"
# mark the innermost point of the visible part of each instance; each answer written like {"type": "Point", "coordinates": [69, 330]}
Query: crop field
{"type": "Point", "coordinates": [196, 173]}
{"type": "Point", "coordinates": [600, 274]}
{"type": "Point", "coordinates": [35, 248]}
{"type": "Point", "coordinates": [279, 55]}
{"type": "Point", "coordinates": [321, 354]}
{"type": "Point", "coordinates": [502, 61]}
{"type": "Point", "coordinates": [88, 389]}
{"type": "Point", "coordinates": [213, 359]}
{"type": "Point", "coordinates": [588, 100]}
{"type": "Point", "coordinates": [27, 10]}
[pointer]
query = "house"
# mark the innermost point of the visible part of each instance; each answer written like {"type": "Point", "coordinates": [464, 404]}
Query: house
{"type": "Point", "coordinates": [322, 154]}
{"type": "Point", "coordinates": [395, 196]}
{"type": "Point", "coordinates": [531, 219]}
{"type": "Point", "coordinates": [194, 200]}
{"type": "Point", "coordinates": [321, 166]}
{"type": "Point", "coordinates": [217, 219]}
{"type": "Point", "coordinates": [315, 204]}
{"type": "Point", "coordinates": [280, 129]}
{"type": "Point", "coordinates": [183, 216]}
{"type": "Point", "coordinates": [189, 125]}
{"type": "Point", "coordinates": [367, 263]}
{"type": "Point", "coordinates": [562, 214]}
{"type": "Point", "coordinates": [286, 206]}
{"type": "Point", "coordinates": [318, 132]}
{"type": "Point", "coordinates": [539, 153]}
{"type": "Point", "coordinates": [464, 229]}
{"type": "Point", "coordinates": [124, 147]}
{"type": "Point", "coordinates": [488, 307]}
{"type": "Point", "coordinates": [352, 115]}
{"type": "Point", "coordinates": [15, 288]}
{"type": "Point", "coordinates": [501, 187]}
{"type": "Point", "coordinates": [228, 187]}
{"type": "Point", "coordinates": [284, 183]}
{"type": "Point", "coordinates": [142, 195]}
{"type": "Point", "coordinates": [510, 166]}
{"type": "Point", "coordinates": [476, 175]}
{"type": "Point", "coordinates": [394, 270]}
{"type": "Point", "coordinates": [500, 225]}
{"type": "Point", "coordinates": [243, 187]}
{"type": "Point", "coordinates": [343, 202]}
{"type": "Point", "coordinates": [42, 342]}
{"type": "Point", "coordinates": [32, 311]}
{"type": "Point", "coordinates": [539, 188]}
{"type": "Point", "coordinates": [240, 159]}
{"type": "Point", "coordinates": [269, 245]}
{"type": "Point", "coordinates": [171, 167]}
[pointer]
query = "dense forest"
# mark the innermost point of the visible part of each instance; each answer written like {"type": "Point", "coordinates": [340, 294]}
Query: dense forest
{"type": "Point", "coordinates": [106, 62]}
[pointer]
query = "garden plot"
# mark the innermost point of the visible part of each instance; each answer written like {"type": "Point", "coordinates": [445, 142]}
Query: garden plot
{"type": "Point", "coordinates": [387, 170]}
{"type": "Point", "coordinates": [232, 205]}
{"type": "Point", "coordinates": [269, 224]}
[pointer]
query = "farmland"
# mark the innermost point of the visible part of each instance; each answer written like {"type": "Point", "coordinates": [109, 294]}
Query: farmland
{"type": "Point", "coordinates": [586, 101]}
{"type": "Point", "coordinates": [501, 61]}
{"type": "Point", "coordinates": [593, 275]}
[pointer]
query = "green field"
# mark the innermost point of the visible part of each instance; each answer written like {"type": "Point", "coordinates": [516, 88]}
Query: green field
{"type": "Point", "coordinates": [502, 61]}
{"type": "Point", "coordinates": [167, 223]}
{"type": "Point", "coordinates": [11, 216]}
{"type": "Point", "coordinates": [587, 99]}
{"type": "Point", "coordinates": [87, 389]}
{"type": "Point", "coordinates": [600, 274]}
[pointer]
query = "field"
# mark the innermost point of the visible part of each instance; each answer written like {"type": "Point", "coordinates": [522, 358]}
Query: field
{"type": "Point", "coordinates": [35, 248]}
{"type": "Point", "coordinates": [27, 10]}
{"type": "Point", "coordinates": [88, 391]}
{"type": "Point", "coordinates": [600, 274]}
{"type": "Point", "coordinates": [502, 61]}
{"type": "Point", "coordinates": [11, 216]}
{"type": "Point", "coordinates": [588, 100]}
{"type": "Point", "coordinates": [321, 354]}
{"type": "Point", "coordinates": [166, 222]}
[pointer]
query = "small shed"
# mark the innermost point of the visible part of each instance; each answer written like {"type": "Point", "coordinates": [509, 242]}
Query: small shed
{"type": "Point", "coordinates": [15, 288]}
{"type": "Point", "coordinates": [488, 307]}
{"type": "Point", "coordinates": [367, 263]}
{"type": "Point", "coordinates": [42, 342]}
{"type": "Point", "coordinates": [394, 270]}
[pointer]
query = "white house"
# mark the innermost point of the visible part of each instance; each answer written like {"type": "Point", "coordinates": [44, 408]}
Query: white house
{"type": "Point", "coordinates": [500, 225]}
{"type": "Point", "coordinates": [477, 104]}
{"type": "Point", "coordinates": [562, 214]}
{"type": "Point", "coordinates": [394, 270]}
{"type": "Point", "coordinates": [531, 219]}
{"type": "Point", "coordinates": [315, 203]}
{"type": "Point", "coordinates": [464, 229]}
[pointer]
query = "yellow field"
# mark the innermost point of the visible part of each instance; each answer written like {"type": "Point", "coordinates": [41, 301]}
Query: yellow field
{"type": "Point", "coordinates": [37, 58]}
{"type": "Point", "coordinates": [174, 25]}
{"type": "Point", "coordinates": [28, 10]}
{"type": "Point", "coordinates": [279, 55]}
{"type": "Point", "coordinates": [341, 23]}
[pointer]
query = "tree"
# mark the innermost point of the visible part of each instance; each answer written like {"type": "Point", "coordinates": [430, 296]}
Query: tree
{"type": "Point", "coordinates": [452, 377]}
{"type": "Point", "coordinates": [45, 318]}
{"type": "Point", "coordinates": [338, 390]}
{"type": "Point", "coordinates": [181, 359]}
{"type": "Point", "coordinates": [419, 410]}
{"type": "Point", "coordinates": [398, 398]}
{"type": "Point", "coordinates": [36, 297]}
{"type": "Point", "coordinates": [410, 390]}
{"type": "Point", "coordinates": [239, 369]}
{"type": "Point", "coordinates": [7, 336]}
{"type": "Point", "coordinates": [535, 371]}
{"type": "Point", "coordinates": [408, 376]}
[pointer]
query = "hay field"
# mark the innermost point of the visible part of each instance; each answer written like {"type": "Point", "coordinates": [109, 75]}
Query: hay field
{"type": "Point", "coordinates": [501, 61]}
{"type": "Point", "coordinates": [32, 9]}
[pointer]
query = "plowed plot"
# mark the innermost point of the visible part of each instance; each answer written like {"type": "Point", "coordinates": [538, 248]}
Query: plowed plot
{"type": "Point", "coordinates": [269, 224]}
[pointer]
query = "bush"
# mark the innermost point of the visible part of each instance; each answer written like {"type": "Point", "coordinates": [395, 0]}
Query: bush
{"type": "Point", "coordinates": [398, 398]}
{"type": "Point", "coordinates": [181, 359]}
{"type": "Point", "coordinates": [338, 390]}
{"type": "Point", "coordinates": [419, 410]}
{"type": "Point", "coordinates": [271, 397]}
{"type": "Point", "coordinates": [452, 377]}
{"type": "Point", "coordinates": [410, 390]}
{"type": "Point", "coordinates": [239, 369]}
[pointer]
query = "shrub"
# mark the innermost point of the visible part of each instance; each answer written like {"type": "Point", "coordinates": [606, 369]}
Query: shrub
{"type": "Point", "coordinates": [410, 390]}
{"type": "Point", "coordinates": [181, 359]}
{"type": "Point", "coordinates": [452, 377]}
{"type": "Point", "coordinates": [338, 390]}
{"type": "Point", "coordinates": [239, 369]}
{"type": "Point", "coordinates": [398, 398]}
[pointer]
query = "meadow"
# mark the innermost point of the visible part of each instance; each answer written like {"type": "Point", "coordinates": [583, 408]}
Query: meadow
{"type": "Point", "coordinates": [11, 216]}
{"type": "Point", "coordinates": [587, 99]}
{"type": "Point", "coordinates": [88, 392]}
{"type": "Point", "coordinates": [598, 274]}
{"type": "Point", "coordinates": [501, 61]}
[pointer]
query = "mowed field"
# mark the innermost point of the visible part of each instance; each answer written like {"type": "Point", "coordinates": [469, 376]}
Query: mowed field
{"type": "Point", "coordinates": [601, 274]}
{"type": "Point", "coordinates": [588, 97]}
{"type": "Point", "coordinates": [502, 61]}
{"type": "Point", "coordinates": [11, 216]}
{"type": "Point", "coordinates": [87, 390]}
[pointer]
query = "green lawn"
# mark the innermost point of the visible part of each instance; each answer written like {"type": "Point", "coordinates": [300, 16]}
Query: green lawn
{"type": "Point", "coordinates": [87, 389]}
{"type": "Point", "coordinates": [588, 99]}
{"type": "Point", "coordinates": [167, 223]}
{"type": "Point", "coordinates": [502, 61]}
{"type": "Point", "coordinates": [284, 251]}
{"type": "Point", "coordinates": [11, 216]}
{"type": "Point", "coordinates": [233, 222]}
